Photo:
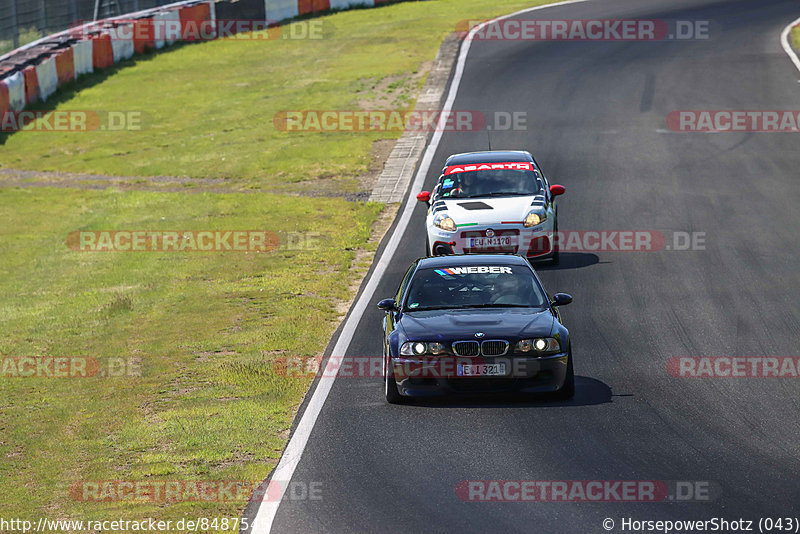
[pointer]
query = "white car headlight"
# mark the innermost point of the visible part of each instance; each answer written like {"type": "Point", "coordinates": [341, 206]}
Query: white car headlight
{"type": "Point", "coordinates": [534, 218]}
{"type": "Point", "coordinates": [444, 222]}
{"type": "Point", "coordinates": [419, 348]}
{"type": "Point", "coordinates": [539, 346]}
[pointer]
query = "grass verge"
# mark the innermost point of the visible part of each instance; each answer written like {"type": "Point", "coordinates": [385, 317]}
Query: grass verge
{"type": "Point", "coordinates": [204, 327]}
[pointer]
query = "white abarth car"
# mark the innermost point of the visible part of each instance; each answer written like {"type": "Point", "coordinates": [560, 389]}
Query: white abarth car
{"type": "Point", "coordinates": [490, 202]}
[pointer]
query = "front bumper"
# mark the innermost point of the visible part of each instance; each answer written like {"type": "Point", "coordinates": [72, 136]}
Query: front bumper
{"type": "Point", "coordinates": [537, 242]}
{"type": "Point", "coordinates": [425, 377]}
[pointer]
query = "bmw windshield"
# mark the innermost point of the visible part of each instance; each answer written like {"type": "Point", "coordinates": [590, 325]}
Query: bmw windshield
{"type": "Point", "coordinates": [484, 286]}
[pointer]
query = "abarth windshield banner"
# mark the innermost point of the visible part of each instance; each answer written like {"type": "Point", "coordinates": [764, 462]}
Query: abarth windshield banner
{"type": "Point", "coordinates": [514, 165]}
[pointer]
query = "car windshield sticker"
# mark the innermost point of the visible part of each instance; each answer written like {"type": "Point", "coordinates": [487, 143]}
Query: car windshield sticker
{"type": "Point", "coordinates": [514, 165]}
{"type": "Point", "coordinates": [477, 269]}
{"type": "Point", "coordinates": [447, 183]}
{"type": "Point", "coordinates": [413, 305]}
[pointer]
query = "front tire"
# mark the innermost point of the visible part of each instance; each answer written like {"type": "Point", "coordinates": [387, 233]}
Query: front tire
{"type": "Point", "coordinates": [390, 388]}
{"type": "Point", "coordinates": [567, 391]}
{"type": "Point", "coordinates": [428, 251]}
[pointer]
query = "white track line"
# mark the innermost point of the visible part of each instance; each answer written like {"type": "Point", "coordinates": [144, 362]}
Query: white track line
{"type": "Point", "coordinates": [262, 524]}
{"type": "Point", "coordinates": [787, 46]}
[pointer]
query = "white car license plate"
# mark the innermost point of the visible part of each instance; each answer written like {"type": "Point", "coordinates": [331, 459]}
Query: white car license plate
{"type": "Point", "coordinates": [481, 369]}
{"type": "Point", "coordinates": [489, 242]}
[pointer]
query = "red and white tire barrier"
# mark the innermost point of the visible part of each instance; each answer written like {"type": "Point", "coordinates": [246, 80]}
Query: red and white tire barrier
{"type": "Point", "coordinates": [16, 91]}
{"type": "Point", "coordinates": [346, 4]}
{"type": "Point", "coordinates": [4, 105]}
{"type": "Point", "coordinates": [282, 9]}
{"type": "Point", "coordinates": [160, 29]}
{"type": "Point", "coordinates": [31, 85]}
{"type": "Point", "coordinates": [172, 28]}
{"type": "Point", "coordinates": [65, 65]}
{"type": "Point", "coordinates": [48, 77]}
{"type": "Point", "coordinates": [82, 56]}
{"type": "Point", "coordinates": [122, 41]}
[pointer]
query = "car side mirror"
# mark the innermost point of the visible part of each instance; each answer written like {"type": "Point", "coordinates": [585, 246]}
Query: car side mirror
{"type": "Point", "coordinates": [388, 305]}
{"type": "Point", "coordinates": [556, 190]}
{"type": "Point", "coordinates": [425, 196]}
{"type": "Point", "coordinates": [561, 299]}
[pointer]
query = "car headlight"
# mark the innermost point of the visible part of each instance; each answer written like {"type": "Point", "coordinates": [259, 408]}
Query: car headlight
{"type": "Point", "coordinates": [444, 222]}
{"type": "Point", "coordinates": [540, 346]}
{"type": "Point", "coordinates": [420, 348]}
{"type": "Point", "coordinates": [533, 218]}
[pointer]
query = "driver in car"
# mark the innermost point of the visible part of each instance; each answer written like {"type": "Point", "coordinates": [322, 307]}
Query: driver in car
{"type": "Point", "coordinates": [506, 292]}
{"type": "Point", "coordinates": [467, 185]}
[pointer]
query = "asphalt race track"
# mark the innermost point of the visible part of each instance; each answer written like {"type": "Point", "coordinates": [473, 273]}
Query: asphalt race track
{"type": "Point", "coordinates": [596, 123]}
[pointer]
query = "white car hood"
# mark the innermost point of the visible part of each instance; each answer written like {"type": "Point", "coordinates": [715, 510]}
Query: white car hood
{"type": "Point", "coordinates": [489, 210]}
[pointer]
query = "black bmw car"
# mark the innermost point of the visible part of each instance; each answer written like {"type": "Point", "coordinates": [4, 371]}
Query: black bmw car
{"type": "Point", "coordinates": [474, 324]}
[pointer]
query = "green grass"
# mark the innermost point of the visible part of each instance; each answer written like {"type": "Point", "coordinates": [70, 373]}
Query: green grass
{"type": "Point", "coordinates": [204, 326]}
{"type": "Point", "coordinates": [796, 37]}
{"type": "Point", "coordinates": [209, 107]}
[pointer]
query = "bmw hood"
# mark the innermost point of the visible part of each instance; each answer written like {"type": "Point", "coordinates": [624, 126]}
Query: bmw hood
{"type": "Point", "coordinates": [495, 323]}
{"type": "Point", "coordinates": [491, 210]}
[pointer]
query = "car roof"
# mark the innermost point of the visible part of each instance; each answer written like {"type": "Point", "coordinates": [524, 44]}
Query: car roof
{"type": "Point", "coordinates": [457, 260]}
{"type": "Point", "coordinates": [489, 156]}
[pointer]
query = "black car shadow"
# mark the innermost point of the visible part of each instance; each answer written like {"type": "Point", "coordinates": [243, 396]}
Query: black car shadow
{"type": "Point", "coordinates": [569, 260]}
{"type": "Point", "coordinates": [588, 392]}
